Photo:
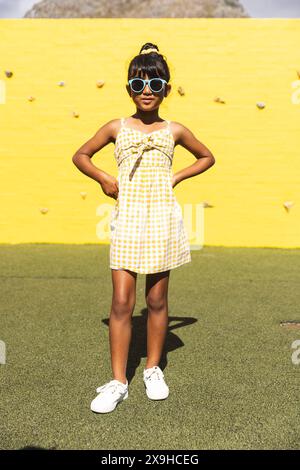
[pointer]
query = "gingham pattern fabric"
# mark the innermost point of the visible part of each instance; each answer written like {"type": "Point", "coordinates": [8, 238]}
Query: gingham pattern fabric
{"type": "Point", "coordinates": [147, 232]}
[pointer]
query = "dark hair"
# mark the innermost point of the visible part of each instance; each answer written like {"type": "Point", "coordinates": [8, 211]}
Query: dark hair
{"type": "Point", "coordinates": [153, 64]}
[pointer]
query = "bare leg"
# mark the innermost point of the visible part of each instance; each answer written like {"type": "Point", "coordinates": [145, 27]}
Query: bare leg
{"type": "Point", "coordinates": [156, 294]}
{"type": "Point", "coordinates": [123, 302]}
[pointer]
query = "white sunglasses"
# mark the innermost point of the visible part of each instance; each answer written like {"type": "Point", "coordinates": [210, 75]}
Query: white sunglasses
{"type": "Point", "coordinates": [155, 84]}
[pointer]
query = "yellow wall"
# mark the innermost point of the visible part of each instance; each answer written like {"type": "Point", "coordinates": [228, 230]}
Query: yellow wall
{"type": "Point", "coordinates": [242, 61]}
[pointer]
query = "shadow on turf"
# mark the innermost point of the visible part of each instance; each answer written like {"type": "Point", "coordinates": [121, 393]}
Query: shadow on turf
{"type": "Point", "coordinates": [138, 345]}
{"type": "Point", "coordinates": [37, 448]}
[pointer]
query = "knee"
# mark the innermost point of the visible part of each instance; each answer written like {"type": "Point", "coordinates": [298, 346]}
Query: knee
{"type": "Point", "coordinates": [156, 303]}
{"type": "Point", "coordinates": [122, 306]}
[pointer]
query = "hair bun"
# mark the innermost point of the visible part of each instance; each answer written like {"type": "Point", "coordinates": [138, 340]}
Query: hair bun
{"type": "Point", "coordinates": [149, 47]}
{"type": "Point", "coordinates": [147, 51]}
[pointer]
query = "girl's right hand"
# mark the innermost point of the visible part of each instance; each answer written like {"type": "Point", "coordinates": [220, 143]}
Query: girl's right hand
{"type": "Point", "coordinates": [110, 186]}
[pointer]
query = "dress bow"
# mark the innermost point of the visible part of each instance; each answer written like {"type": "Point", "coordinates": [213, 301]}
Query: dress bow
{"type": "Point", "coordinates": [146, 143]}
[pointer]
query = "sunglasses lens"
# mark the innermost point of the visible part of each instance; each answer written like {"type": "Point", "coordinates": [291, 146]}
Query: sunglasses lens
{"type": "Point", "coordinates": [137, 85]}
{"type": "Point", "coordinates": [156, 84]}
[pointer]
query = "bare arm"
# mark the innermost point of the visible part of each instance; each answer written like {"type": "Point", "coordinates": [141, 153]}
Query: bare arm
{"type": "Point", "coordinates": [82, 158]}
{"type": "Point", "coordinates": [205, 158]}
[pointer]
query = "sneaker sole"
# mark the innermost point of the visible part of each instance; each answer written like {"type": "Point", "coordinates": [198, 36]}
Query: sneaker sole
{"type": "Point", "coordinates": [157, 399]}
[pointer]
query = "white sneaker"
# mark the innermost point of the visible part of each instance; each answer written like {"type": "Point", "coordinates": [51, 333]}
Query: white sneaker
{"type": "Point", "coordinates": [110, 394]}
{"type": "Point", "coordinates": [156, 387]}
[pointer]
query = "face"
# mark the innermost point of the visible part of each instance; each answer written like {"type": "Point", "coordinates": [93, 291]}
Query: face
{"type": "Point", "coordinates": [148, 100]}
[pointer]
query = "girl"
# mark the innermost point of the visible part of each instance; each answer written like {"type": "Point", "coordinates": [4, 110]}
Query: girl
{"type": "Point", "coordinates": [147, 231]}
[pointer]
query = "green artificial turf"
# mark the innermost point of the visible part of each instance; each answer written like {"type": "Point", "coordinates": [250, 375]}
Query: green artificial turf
{"type": "Point", "coordinates": [228, 361]}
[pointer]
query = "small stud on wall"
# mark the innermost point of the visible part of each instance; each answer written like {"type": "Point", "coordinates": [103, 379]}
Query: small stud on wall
{"type": "Point", "coordinates": [261, 105]}
{"type": "Point", "coordinates": [75, 114]}
{"type": "Point", "coordinates": [181, 91]}
{"type": "Point", "coordinates": [206, 204]}
{"type": "Point", "coordinates": [62, 83]}
{"type": "Point", "coordinates": [100, 83]}
{"type": "Point", "coordinates": [288, 205]}
{"type": "Point", "coordinates": [298, 73]}
{"type": "Point", "coordinates": [219, 100]}
{"type": "Point", "coordinates": [83, 194]}
{"type": "Point", "coordinates": [44, 210]}
{"type": "Point", "coordinates": [31, 98]}
{"type": "Point", "coordinates": [8, 73]}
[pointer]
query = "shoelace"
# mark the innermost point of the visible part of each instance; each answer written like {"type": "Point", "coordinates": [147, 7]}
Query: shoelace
{"type": "Point", "coordinates": [112, 386]}
{"type": "Point", "coordinates": [159, 374]}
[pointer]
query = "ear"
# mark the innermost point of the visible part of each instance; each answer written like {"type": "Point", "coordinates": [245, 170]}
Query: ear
{"type": "Point", "coordinates": [128, 90]}
{"type": "Point", "coordinates": [167, 90]}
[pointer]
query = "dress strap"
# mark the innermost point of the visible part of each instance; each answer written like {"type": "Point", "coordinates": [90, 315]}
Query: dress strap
{"type": "Point", "coordinates": [168, 124]}
{"type": "Point", "coordinates": [122, 122]}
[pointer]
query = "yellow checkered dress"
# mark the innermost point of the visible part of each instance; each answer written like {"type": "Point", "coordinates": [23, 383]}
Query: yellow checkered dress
{"type": "Point", "coordinates": [147, 232]}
